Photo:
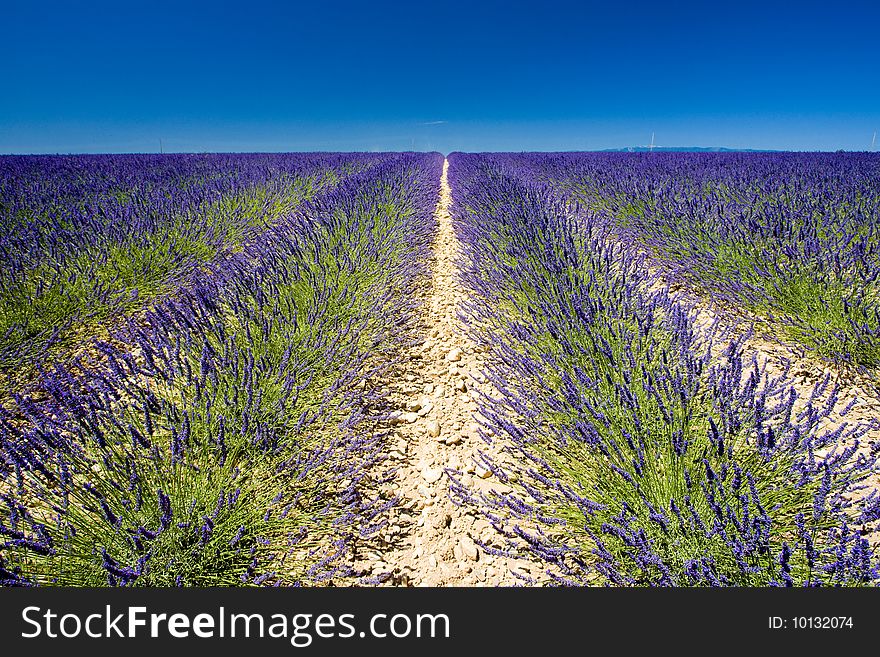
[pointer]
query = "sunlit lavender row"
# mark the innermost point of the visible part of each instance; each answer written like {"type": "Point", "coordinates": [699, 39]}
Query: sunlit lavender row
{"type": "Point", "coordinates": [221, 434]}
{"type": "Point", "coordinates": [645, 448]}
{"type": "Point", "coordinates": [84, 238]}
{"type": "Point", "coordinates": [789, 239]}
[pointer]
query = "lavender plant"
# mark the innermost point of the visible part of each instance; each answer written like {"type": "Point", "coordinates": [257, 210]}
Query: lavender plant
{"type": "Point", "coordinates": [647, 450]}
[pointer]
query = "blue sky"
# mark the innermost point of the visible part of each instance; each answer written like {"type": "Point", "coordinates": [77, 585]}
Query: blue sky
{"type": "Point", "coordinates": [477, 75]}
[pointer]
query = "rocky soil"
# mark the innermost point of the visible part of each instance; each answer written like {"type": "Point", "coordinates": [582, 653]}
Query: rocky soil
{"type": "Point", "coordinates": [429, 540]}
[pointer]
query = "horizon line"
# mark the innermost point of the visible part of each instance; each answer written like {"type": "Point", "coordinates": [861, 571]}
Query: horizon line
{"type": "Point", "coordinates": [625, 149]}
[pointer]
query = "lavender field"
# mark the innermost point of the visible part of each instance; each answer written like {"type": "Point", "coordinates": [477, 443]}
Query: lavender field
{"type": "Point", "coordinates": [655, 369]}
{"type": "Point", "coordinates": [190, 343]}
{"type": "Point", "coordinates": [654, 441]}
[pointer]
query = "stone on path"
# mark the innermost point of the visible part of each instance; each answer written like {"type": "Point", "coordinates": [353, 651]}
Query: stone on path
{"type": "Point", "coordinates": [469, 548]}
{"type": "Point", "coordinates": [482, 471]}
{"type": "Point", "coordinates": [432, 475]}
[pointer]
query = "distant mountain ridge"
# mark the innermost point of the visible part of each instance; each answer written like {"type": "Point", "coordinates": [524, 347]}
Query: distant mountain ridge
{"type": "Point", "coordinates": [687, 149]}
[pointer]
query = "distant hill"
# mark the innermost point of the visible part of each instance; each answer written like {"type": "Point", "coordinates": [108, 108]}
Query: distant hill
{"type": "Point", "coordinates": [686, 149]}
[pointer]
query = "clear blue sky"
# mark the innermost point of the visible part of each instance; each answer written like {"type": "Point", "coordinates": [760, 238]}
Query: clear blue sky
{"type": "Point", "coordinates": [448, 75]}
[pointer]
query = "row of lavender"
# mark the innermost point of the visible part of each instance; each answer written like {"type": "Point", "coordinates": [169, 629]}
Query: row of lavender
{"type": "Point", "coordinates": [793, 238]}
{"type": "Point", "coordinates": [646, 451]}
{"type": "Point", "coordinates": [85, 238]}
{"type": "Point", "coordinates": [224, 437]}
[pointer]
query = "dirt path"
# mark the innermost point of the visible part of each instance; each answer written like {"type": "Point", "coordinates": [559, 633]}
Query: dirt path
{"type": "Point", "coordinates": [430, 541]}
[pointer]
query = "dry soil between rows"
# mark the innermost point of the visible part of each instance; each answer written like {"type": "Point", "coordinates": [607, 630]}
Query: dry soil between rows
{"type": "Point", "coordinates": [429, 540]}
